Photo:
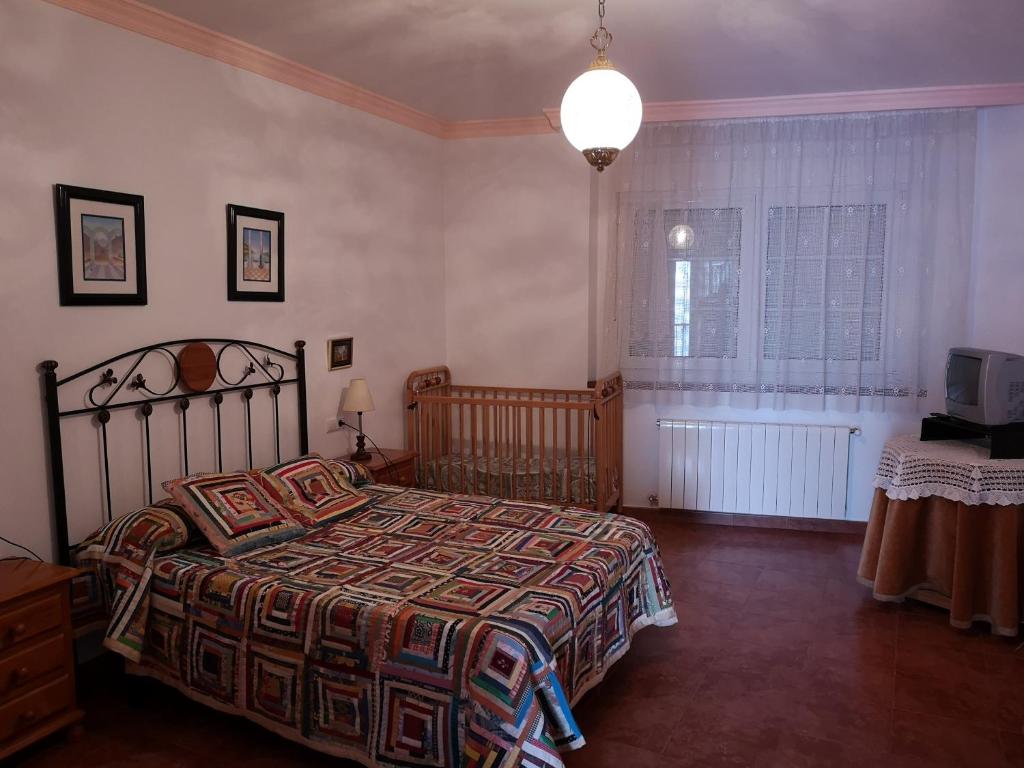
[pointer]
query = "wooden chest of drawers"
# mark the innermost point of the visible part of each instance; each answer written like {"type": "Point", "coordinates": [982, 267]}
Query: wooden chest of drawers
{"type": "Point", "coordinates": [392, 466]}
{"type": "Point", "coordinates": [37, 665]}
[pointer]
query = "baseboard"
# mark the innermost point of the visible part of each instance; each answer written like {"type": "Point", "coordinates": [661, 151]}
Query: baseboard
{"type": "Point", "coordinates": [750, 521]}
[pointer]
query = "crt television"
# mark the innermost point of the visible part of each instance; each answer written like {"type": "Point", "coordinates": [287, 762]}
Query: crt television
{"type": "Point", "coordinates": [985, 387]}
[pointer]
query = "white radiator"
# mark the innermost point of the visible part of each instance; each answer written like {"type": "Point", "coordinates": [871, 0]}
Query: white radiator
{"type": "Point", "coordinates": [792, 470]}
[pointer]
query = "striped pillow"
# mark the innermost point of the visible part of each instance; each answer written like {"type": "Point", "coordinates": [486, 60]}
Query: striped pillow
{"type": "Point", "coordinates": [350, 472]}
{"type": "Point", "coordinates": [160, 527]}
{"type": "Point", "coordinates": [309, 491]}
{"type": "Point", "coordinates": [233, 511]}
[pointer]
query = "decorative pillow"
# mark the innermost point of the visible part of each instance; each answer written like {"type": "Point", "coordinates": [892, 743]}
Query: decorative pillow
{"type": "Point", "coordinates": [310, 491]}
{"type": "Point", "coordinates": [233, 511]}
{"type": "Point", "coordinates": [350, 472]}
{"type": "Point", "coordinates": [160, 527]}
{"type": "Point", "coordinates": [117, 565]}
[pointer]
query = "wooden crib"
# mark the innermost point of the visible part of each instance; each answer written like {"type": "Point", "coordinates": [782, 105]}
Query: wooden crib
{"type": "Point", "coordinates": [557, 446]}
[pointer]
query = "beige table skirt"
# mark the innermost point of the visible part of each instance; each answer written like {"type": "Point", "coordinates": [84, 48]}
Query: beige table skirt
{"type": "Point", "coordinates": [962, 557]}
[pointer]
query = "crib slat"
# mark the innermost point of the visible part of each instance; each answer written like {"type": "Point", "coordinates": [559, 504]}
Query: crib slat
{"type": "Point", "coordinates": [543, 441]}
{"type": "Point", "coordinates": [583, 495]}
{"type": "Point", "coordinates": [567, 472]}
{"type": "Point", "coordinates": [461, 449]}
{"type": "Point", "coordinates": [529, 443]}
{"type": "Point", "coordinates": [487, 447]}
{"type": "Point", "coordinates": [515, 449]}
{"type": "Point", "coordinates": [554, 454]}
{"type": "Point", "coordinates": [472, 438]}
{"type": "Point", "coordinates": [500, 447]}
{"type": "Point", "coordinates": [508, 446]}
{"type": "Point", "coordinates": [449, 449]}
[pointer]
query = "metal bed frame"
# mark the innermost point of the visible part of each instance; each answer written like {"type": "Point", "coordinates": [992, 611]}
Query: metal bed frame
{"type": "Point", "coordinates": [111, 394]}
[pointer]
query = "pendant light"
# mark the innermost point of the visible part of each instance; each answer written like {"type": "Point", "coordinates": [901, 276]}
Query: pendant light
{"type": "Point", "coordinates": [601, 110]}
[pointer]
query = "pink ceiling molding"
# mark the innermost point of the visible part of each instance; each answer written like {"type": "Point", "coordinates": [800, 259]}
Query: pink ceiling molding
{"type": "Point", "coordinates": [510, 126]}
{"type": "Point", "coordinates": [151, 22]}
{"type": "Point", "coordinates": [154, 23]}
{"type": "Point", "coordinates": [829, 103]}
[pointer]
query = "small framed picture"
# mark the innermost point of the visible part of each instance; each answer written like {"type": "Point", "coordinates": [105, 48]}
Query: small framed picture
{"type": "Point", "coordinates": [101, 246]}
{"type": "Point", "coordinates": [339, 353]}
{"type": "Point", "coordinates": [255, 254]}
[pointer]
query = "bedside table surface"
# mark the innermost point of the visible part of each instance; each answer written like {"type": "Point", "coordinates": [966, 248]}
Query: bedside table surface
{"type": "Point", "coordinates": [390, 457]}
{"type": "Point", "coordinates": [20, 577]}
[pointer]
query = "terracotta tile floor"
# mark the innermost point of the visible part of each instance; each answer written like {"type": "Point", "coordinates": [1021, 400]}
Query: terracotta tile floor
{"type": "Point", "coordinates": [779, 659]}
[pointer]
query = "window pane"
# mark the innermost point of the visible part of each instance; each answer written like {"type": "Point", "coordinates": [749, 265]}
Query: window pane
{"type": "Point", "coordinates": [823, 287]}
{"type": "Point", "coordinates": [704, 275]}
{"type": "Point", "coordinates": [681, 310]}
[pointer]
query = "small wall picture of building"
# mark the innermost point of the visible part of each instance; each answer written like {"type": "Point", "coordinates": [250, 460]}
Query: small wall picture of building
{"type": "Point", "coordinates": [255, 255]}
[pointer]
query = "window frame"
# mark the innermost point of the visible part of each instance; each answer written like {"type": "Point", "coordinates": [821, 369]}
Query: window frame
{"type": "Point", "coordinates": [753, 262]}
{"type": "Point", "coordinates": [747, 346]}
{"type": "Point", "coordinates": [812, 198]}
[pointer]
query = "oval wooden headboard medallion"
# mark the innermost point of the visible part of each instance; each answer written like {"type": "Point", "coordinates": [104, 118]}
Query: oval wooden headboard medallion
{"type": "Point", "coordinates": [198, 366]}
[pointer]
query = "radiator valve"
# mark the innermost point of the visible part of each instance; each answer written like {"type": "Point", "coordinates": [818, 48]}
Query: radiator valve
{"type": "Point", "coordinates": [652, 499]}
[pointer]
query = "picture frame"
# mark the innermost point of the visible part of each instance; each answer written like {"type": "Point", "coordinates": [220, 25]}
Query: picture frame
{"type": "Point", "coordinates": [255, 254]}
{"type": "Point", "coordinates": [101, 247]}
{"type": "Point", "coordinates": [339, 353]}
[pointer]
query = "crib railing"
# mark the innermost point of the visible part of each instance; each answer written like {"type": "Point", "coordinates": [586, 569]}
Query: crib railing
{"type": "Point", "coordinates": [557, 446]}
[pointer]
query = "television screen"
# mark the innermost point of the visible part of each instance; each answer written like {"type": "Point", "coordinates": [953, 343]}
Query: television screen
{"type": "Point", "coordinates": [962, 376]}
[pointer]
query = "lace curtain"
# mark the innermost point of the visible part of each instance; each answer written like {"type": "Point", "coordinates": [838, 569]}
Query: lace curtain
{"type": "Point", "coordinates": [808, 263]}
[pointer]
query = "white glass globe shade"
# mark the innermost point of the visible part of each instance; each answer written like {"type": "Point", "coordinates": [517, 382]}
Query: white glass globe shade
{"type": "Point", "coordinates": [601, 109]}
{"type": "Point", "coordinates": [680, 236]}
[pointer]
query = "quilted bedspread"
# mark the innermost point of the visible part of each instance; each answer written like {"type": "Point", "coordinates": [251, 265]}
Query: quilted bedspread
{"type": "Point", "coordinates": [424, 629]}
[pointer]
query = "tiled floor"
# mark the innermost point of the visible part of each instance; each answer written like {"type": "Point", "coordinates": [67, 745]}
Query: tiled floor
{"type": "Point", "coordinates": [779, 659]}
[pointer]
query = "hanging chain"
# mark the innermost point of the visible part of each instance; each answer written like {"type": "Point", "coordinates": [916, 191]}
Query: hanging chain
{"type": "Point", "coordinates": [602, 38]}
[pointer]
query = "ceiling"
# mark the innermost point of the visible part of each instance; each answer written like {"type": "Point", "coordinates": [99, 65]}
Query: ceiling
{"type": "Point", "coordinates": [486, 59]}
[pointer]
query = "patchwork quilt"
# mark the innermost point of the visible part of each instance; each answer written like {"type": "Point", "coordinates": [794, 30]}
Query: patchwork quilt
{"type": "Point", "coordinates": [422, 629]}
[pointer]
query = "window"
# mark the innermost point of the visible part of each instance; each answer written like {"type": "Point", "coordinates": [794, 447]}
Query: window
{"type": "Point", "coordinates": [818, 294]}
{"type": "Point", "coordinates": [819, 266]}
{"type": "Point", "coordinates": [823, 282]}
{"type": "Point", "coordinates": [701, 315]}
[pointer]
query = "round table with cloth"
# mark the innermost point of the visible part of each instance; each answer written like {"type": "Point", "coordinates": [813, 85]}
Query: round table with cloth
{"type": "Point", "coordinates": [946, 527]}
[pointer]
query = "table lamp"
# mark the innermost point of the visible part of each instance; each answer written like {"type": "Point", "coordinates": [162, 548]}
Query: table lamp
{"type": "Point", "coordinates": [358, 400]}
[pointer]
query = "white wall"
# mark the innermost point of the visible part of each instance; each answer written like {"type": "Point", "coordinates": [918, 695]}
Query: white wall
{"type": "Point", "coordinates": [998, 269]}
{"type": "Point", "coordinates": [516, 240]}
{"type": "Point", "coordinates": [85, 103]}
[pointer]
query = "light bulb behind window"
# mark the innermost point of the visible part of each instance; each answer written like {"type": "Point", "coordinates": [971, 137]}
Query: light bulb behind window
{"type": "Point", "coordinates": [680, 236]}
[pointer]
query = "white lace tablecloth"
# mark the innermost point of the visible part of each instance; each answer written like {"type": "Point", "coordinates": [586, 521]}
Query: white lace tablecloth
{"type": "Point", "coordinates": [954, 469]}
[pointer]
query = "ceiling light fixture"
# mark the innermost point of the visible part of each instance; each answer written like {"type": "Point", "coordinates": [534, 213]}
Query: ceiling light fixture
{"type": "Point", "coordinates": [680, 236]}
{"type": "Point", "coordinates": [601, 110]}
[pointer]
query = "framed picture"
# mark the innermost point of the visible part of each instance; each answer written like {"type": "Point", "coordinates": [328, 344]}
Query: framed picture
{"type": "Point", "coordinates": [339, 353]}
{"type": "Point", "coordinates": [255, 254]}
{"type": "Point", "coordinates": [101, 246]}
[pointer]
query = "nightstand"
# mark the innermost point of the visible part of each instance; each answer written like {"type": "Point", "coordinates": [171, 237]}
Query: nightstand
{"type": "Point", "coordinates": [37, 658]}
{"type": "Point", "coordinates": [398, 469]}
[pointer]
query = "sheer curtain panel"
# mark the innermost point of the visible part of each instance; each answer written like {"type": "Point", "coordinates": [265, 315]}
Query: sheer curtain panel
{"type": "Point", "coordinates": [809, 263]}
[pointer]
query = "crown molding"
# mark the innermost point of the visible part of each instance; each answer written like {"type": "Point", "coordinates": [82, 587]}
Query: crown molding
{"type": "Point", "coordinates": [509, 126]}
{"type": "Point", "coordinates": [829, 103]}
{"type": "Point", "coordinates": [159, 25]}
{"type": "Point", "coordinates": [145, 20]}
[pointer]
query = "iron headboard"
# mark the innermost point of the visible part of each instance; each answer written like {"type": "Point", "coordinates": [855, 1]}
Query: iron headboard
{"type": "Point", "coordinates": [103, 399]}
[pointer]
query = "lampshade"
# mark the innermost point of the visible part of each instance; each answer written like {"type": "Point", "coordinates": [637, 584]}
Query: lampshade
{"type": "Point", "coordinates": [357, 397]}
{"type": "Point", "coordinates": [601, 109]}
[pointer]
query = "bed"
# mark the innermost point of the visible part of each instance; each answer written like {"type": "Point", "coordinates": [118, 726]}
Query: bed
{"type": "Point", "coordinates": [561, 446]}
{"type": "Point", "coordinates": [419, 628]}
